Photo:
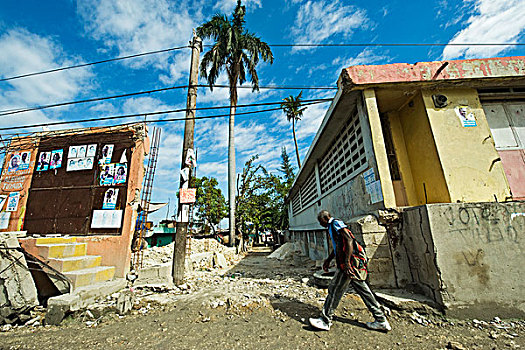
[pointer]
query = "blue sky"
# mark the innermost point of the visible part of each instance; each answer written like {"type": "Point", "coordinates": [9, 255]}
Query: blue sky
{"type": "Point", "coordinates": [40, 35]}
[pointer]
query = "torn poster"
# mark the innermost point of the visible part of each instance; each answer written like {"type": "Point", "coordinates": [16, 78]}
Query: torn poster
{"type": "Point", "coordinates": [184, 213]}
{"type": "Point", "coordinates": [4, 219]}
{"type": "Point", "coordinates": [123, 157]}
{"type": "Point", "coordinates": [185, 173]}
{"type": "Point", "coordinates": [106, 219]}
{"type": "Point", "coordinates": [56, 159]}
{"type": "Point", "coordinates": [190, 158]}
{"type": "Point", "coordinates": [369, 176]}
{"type": "Point", "coordinates": [12, 201]}
{"type": "Point", "coordinates": [3, 198]}
{"type": "Point", "coordinates": [110, 199]}
{"type": "Point", "coordinates": [374, 189]}
{"type": "Point", "coordinates": [465, 115]}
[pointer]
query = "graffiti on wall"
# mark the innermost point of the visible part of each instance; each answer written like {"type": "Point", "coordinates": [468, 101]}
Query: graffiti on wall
{"type": "Point", "coordinates": [487, 222]}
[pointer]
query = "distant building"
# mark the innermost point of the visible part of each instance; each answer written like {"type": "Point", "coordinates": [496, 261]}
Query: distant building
{"type": "Point", "coordinates": [426, 163]}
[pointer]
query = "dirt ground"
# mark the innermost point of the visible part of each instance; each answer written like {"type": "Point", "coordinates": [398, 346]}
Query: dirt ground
{"type": "Point", "coordinates": [258, 304]}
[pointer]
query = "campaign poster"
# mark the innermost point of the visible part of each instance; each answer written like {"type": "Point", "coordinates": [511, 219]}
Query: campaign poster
{"type": "Point", "coordinates": [56, 159]}
{"type": "Point", "coordinates": [91, 150]}
{"type": "Point", "coordinates": [110, 199]}
{"type": "Point", "coordinates": [106, 219]}
{"type": "Point", "coordinates": [107, 173]}
{"type": "Point", "coordinates": [73, 152]}
{"type": "Point", "coordinates": [107, 153]}
{"type": "Point", "coordinates": [88, 163]}
{"type": "Point", "coordinates": [14, 162]}
{"type": "Point", "coordinates": [43, 161]}
{"type": "Point", "coordinates": [121, 173]}
{"type": "Point", "coordinates": [82, 151]}
{"type": "Point", "coordinates": [72, 164]}
{"type": "Point", "coordinates": [25, 159]}
{"type": "Point", "coordinates": [12, 201]}
{"type": "Point", "coordinates": [466, 116]}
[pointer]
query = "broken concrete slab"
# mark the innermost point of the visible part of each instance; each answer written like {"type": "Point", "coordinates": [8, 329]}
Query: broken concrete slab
{"type": "Point", "coordinates": [17, 289]}
{"type": "Point", "coordinates": [58, 307]}
{"type": "Point", "coordinates": [282, 251]}
{"type": "Point", "coordinates": [219, 260]}
{"type": "Point", "coordinates": [154, 275]}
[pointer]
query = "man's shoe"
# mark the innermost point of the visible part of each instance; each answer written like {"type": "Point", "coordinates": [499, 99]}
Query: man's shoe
{"type": "Point", "coordinates": [320, 323]}
{"type": "Point", "coordinates": [379, 326]}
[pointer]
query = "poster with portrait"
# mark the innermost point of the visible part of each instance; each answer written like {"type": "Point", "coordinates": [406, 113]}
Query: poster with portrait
{"type": "Point", "coordinates": [56, 159]}
{"type": "Point", "coordinates": [25, 159]}
{"type": "Point", "coordinates": [82, 151]}
{"type": "Point", "coordinates": [12, 201]}
{"type": "Point", "coordinates": [14, 162]}
{"type": "Point", "coordinates": [73, 152]}
{"type": "Point", "coordinates": [107, 173]}
{"type": "Point", "coordinates": [466, 116]}
{"type": "Point", "coordinates": [110, 199]}
{"type": "Point", "coordinates": [107, 153]}
{"type": "Point", "coordinates": [88, 163]}
{"type": "Point", "coordinates": [91, 150]}
{"type": "Point", "coordinates": [121, 173]}
{"type": "Point", "coordinates": [43, 161]}
{"type": "Point", "coordinates": [72, 164]}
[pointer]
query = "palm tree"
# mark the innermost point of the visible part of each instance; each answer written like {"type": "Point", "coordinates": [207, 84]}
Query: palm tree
{"type": "Point", "coordinates": [237, 51]}
{"type": "Point", "coordinates": [292, 108]}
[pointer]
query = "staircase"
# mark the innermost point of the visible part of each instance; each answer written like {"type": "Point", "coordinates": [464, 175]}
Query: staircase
{"type": "Point", "coordinates": [69, 257]}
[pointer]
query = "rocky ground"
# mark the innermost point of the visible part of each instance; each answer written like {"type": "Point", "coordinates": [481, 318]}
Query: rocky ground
{"type": "Point", "coordinates": [257, 303]}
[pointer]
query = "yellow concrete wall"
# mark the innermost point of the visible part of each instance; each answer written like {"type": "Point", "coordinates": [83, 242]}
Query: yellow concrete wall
{"type": "Point", "coordinates": [468, 157]}
{"type": "Point", "coordinates": [417, 155]}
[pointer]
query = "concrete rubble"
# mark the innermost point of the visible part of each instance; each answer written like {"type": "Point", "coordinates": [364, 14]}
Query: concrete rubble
{"type": "Point", "coordinates": [18, 294]}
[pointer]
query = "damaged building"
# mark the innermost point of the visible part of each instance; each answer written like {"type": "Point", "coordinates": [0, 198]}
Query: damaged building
{"type": "Point", "coordinates": [71, 197]}
{"type": "Point", "coordinates": [426, 164]}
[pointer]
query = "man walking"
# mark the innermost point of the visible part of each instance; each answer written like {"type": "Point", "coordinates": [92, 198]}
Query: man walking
{"type": "Point", "coordinates": [351, 269]}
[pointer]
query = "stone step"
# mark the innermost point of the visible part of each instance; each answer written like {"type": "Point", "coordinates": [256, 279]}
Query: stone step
{"type": "Point", "coordinates": [75, 262]}
{"type": "Point", "coordinates": [55, 240]}
{"type": "Point", "coordinates": [86, 277]}
{"type": "Point", "coordinates": [64, 250]}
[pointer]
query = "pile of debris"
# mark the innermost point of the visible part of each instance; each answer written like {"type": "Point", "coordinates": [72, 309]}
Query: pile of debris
{"type": "Point", "coordinates": [18, 294]}
{"type": "Point", "coordinates": [206, 253]}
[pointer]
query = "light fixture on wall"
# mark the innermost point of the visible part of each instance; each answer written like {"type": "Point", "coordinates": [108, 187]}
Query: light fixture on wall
{"type": "Point", "coordinates": [440, 101]}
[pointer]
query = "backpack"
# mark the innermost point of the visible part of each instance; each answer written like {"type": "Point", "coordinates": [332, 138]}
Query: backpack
{"type": "Point", "coordinates": [358, 260]}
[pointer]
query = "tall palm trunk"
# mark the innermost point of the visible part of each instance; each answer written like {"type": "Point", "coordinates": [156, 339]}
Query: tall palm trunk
{"type": "Point", "coordinates": [295, 141]}
{"type": "Point", "coordinates": [231, 155]}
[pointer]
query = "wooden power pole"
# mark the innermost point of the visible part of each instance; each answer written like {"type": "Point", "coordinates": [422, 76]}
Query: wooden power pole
{"type": "Point", "coordinates": [179, 251]}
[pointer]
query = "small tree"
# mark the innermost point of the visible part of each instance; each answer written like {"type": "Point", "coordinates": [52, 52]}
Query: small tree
{"type": "Point", "coordinates": [210, 203]}
{"type": "Point", "coordinates": [293, 111]}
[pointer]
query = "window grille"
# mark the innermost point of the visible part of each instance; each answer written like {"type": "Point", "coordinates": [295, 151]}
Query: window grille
{"type": "Point", "coordinates": [309, 190]}
{"type": "Point", "coordinates": [296, 203]}
{"type": "Point", "coordinates": [345, 155]}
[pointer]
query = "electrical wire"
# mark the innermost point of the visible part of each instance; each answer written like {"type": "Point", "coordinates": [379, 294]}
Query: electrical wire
{"type": "Point", "coordinates": [304, 102]}
{"type": "Point", "coordinates": [97, 99]}
{"type": "Point", "coordinates": [93, 63]}
{"type": "Point", "coordinates": [271, 45]}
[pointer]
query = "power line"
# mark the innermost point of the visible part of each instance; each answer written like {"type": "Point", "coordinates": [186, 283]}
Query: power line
{"type": "Point", "coordinates": [94, 63]}
{"type": "Point", "coordinates": [305, 103]}
{"type": "Point", "coordinates": [97, 99]}
{"type": "Point", "coordinates": [272, 45]}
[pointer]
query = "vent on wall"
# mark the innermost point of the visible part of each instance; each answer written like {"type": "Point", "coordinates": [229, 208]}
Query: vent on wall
{"type": "Point", "coordinates": [345, 156]}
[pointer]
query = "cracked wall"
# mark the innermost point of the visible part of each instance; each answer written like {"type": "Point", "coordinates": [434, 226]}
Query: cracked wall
{"type": "Point", "coordinates": [468, 257]}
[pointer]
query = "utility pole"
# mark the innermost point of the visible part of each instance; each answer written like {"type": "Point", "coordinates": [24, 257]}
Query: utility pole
{"type": "Point", "coordinates": [179, 251]}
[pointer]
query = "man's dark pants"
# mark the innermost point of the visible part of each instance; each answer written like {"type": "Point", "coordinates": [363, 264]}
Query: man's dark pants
{"type": "Point", "coordinates": [337, 289]}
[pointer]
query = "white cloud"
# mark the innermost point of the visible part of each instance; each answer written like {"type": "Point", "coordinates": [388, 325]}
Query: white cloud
{"type": "Point", "coordinates": [317, 21]}
{"type": "Point", "coordinates": [24, 52]}
{"type": "Point", "coordinates": [367, 56]}
{"type": "Point", "coordinates": [492, 21]}
{"type": "Point", "coordinates": [133, 26]}
{"type": "Point", "coordinates": [227, 6]}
